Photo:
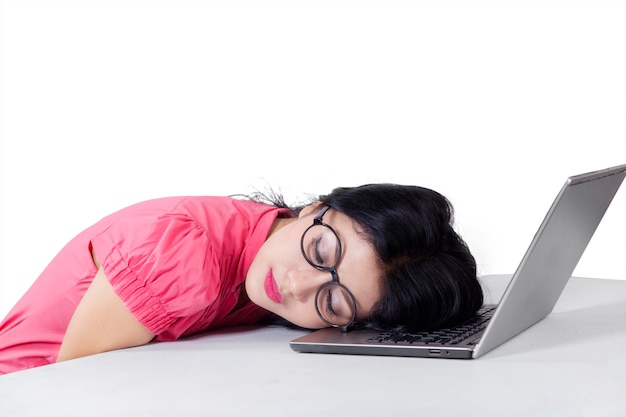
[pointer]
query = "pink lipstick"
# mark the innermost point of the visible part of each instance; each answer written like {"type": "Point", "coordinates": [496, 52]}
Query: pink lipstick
{"type": "Point", "coordinates": [271, 288]}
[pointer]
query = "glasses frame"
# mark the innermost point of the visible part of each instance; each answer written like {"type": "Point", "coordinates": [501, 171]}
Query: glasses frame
{"type": "Point", "coordinates": [317, 221]}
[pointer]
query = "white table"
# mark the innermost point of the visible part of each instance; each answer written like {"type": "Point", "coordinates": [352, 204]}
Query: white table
{"type": "Point", "coordinates": [573, 363]}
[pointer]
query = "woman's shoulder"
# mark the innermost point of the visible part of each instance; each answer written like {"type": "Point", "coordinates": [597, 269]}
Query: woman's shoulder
{"type": "Point", "coordinates": [217, 213]}
{"type": "Point", "coordinates": [183, 204]}
{"type": "Point", "coordinates": [231, 210]}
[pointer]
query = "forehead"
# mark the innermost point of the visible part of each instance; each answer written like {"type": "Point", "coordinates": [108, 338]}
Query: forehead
{"type": "Point", "coordinates": [358, 269]}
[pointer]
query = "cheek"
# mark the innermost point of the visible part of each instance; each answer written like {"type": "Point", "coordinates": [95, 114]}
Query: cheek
{"type": "Point", "coordinates": [303, 317]}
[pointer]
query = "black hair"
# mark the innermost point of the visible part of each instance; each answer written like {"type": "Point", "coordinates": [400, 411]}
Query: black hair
{"type": "Point", "coordinates": [429, 274]}
{"type": "Point", "coordinates": [429, 277]}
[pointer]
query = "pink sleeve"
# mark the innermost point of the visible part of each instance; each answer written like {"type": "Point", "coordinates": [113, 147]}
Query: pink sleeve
{"type": "Point", "coordinates": [158, 264]}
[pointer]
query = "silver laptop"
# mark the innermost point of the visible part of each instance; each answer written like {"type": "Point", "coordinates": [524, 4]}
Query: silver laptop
{"type": "Point", "coordinates": [530, 296]}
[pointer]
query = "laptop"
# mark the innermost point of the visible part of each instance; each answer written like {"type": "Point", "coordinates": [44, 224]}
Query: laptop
{"type": "Point", "coordinates": [529, 297]}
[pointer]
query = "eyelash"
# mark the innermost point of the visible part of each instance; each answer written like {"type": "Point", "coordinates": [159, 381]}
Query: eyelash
{"type": "Point", "coordinates": [329, 304]}
{"type": "Point", "coordinates": [316, 251]}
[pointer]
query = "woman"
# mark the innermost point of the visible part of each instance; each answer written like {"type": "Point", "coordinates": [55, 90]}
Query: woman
{"type": "Point", "coordinates": [377, 256]}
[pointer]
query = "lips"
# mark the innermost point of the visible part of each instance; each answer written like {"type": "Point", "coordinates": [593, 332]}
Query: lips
{"type": "Point", "coordinates": [271, 288]}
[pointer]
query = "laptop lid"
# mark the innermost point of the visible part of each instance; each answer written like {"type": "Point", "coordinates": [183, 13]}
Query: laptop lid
{"type": "Point", "coordinates": [534, 288]}
{"type": "Point", "coordinates": [553, 254]}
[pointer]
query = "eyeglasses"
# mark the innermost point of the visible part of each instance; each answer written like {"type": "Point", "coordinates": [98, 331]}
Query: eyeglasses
{"type": "Point", "coordinates": [321, 248]}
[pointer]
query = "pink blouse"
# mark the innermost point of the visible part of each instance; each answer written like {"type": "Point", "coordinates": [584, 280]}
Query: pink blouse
{"type": "Point", "coordinates": [178, 264]}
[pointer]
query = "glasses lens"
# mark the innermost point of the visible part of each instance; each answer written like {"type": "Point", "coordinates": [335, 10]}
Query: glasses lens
{"type": "Point", "coordinates": [335, 304]}
{"type": "Point", "coordinates": [321, 247]}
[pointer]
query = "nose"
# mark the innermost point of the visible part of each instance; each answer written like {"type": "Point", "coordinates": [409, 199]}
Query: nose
{"type": "Point", "coordinates": [304, 283]}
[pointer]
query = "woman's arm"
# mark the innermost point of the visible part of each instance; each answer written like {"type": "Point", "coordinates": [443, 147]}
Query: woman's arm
{"type": "Point", "coordinates": [101, 323]}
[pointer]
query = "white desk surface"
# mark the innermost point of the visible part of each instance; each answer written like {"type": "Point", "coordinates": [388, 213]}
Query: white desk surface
{"type": "Point", "coordinates": [573, 363]}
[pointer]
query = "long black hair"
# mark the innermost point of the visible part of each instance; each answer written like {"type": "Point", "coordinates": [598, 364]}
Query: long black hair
{"type": "Point", "coordinates": [430, 277]}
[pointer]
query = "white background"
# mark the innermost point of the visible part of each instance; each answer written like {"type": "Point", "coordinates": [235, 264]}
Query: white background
{"type": "Point", "coordinates": [492, 103]}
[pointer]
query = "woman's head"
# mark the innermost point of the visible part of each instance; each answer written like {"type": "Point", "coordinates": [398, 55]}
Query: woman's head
{"type": "Point", "coordinates": [429, 275]}
{"type": "Point", "coordinates": [400, 259]}
{"type": "Point", "coordinates": [292, 270]}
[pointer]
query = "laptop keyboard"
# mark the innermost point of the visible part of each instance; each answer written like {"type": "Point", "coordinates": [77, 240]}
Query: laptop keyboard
{"type": "Point", "coordinates": [448, 336]}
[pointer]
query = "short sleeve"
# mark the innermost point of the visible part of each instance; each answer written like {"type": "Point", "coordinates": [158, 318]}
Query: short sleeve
{"type": "Point", "coordinates": [158, 264]}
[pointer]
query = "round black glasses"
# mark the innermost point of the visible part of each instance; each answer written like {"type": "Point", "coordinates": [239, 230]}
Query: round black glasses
{"type": "Point", "coordinates": [321, 248]}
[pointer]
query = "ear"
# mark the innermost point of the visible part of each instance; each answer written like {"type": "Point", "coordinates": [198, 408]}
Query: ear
{"type": "Point", "coordinates": [311, 208]}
